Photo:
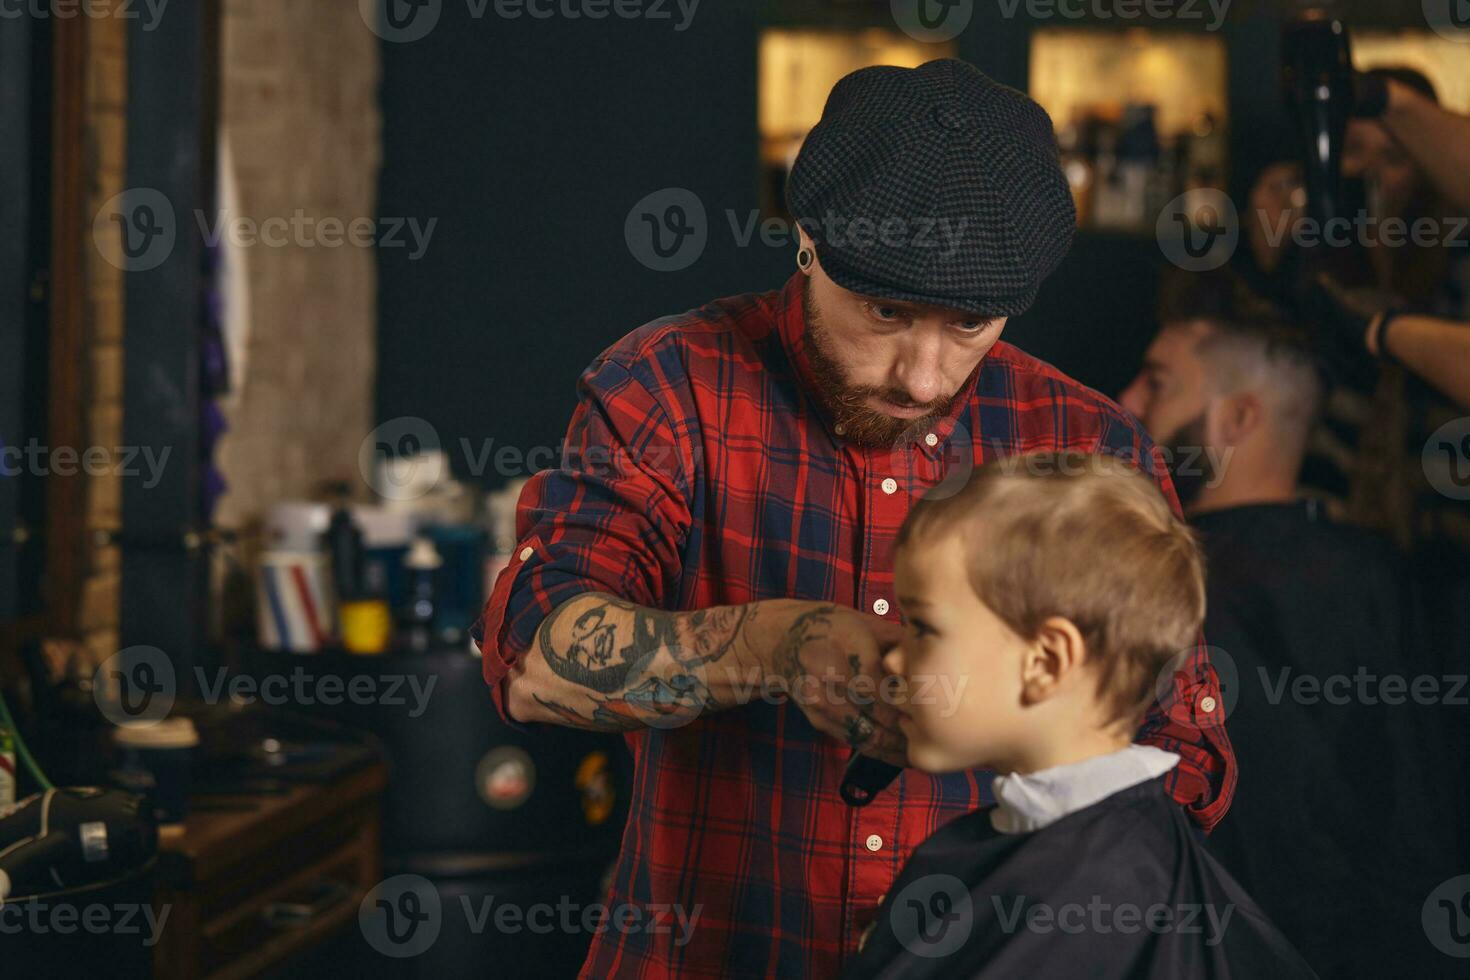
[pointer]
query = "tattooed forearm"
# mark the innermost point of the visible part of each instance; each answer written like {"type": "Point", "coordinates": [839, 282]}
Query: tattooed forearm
{"type": "Point", "coordinates": [626, 667]}
{"type": "Point", "coordinates": [711, 633]}
{"type": "Point", "coordinates": [575, 719]}
{"type": "Point", "coordinates": [593, 656]}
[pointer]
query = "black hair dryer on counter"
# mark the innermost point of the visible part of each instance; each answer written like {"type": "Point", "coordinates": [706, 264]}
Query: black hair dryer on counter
{"type": "Point", "coordinates": [1317, 76]}
{"type": "Point", "coordinates": [68, 838]}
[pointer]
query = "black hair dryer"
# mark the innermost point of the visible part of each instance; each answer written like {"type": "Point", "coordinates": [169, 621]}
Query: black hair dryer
{"type": "Point", "coordinates": [1317, 76]}
{"type": "Point", "coordinates": [67, 838]}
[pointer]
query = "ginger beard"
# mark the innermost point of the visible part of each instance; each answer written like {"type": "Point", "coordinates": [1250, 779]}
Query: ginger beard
{"type": "Point", "coordinates": [848, 403]}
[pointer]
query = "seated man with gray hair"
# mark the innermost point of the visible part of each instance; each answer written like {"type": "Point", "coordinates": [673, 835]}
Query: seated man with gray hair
{"type": "Point", "coordinates": [1339, 827]}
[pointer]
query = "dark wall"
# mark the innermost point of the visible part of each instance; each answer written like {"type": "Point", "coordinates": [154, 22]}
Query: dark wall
{"type": "Point", "coordinates": [530, 141]}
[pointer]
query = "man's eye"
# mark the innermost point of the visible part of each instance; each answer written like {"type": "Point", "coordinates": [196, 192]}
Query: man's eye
{"type": "Point", "coordinates": [885, 313]}
{"type": "Point", "coordinates": [974, 326]}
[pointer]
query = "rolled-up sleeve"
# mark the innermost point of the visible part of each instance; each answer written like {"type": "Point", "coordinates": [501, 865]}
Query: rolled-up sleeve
{"type": "Point", "coordinates": [1187, 716]}
{"type": "Point", "coordinates": [1191, 722]}
{"type": "Point", "coordinates": [613, 517]}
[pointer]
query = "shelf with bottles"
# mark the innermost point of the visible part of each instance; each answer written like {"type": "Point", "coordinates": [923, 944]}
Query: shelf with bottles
{"type": "Point", "coordinates": [1141, 116]}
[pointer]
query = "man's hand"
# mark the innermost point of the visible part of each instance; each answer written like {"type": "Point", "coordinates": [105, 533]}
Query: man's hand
{"type": "Point", "coordinates": [829, 661]}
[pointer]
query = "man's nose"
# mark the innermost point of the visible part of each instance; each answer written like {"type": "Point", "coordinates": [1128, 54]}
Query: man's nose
{"type": "Point", "coordinates": [918, 370]}
{"type": "Point", "coordinates": [1132, 399]}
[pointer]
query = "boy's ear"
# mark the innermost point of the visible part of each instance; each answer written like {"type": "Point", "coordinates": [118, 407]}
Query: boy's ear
{"type": "Point", "coordinates": [1052, 657]}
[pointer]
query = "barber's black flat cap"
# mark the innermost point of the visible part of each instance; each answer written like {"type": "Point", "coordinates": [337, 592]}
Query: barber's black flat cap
{"type": "Point", "coordinates": [934, 185]}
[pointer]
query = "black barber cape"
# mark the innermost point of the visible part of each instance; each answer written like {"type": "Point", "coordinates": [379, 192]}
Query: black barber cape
{"type": "Point", "coordinates": [1122, 888]}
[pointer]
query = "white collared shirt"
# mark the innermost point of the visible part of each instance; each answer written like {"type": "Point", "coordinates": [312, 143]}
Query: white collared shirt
{"type": "Point", "coordinates": [1034, 800]}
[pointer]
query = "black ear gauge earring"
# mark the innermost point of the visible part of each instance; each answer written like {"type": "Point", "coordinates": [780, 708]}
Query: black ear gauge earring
{"type": "Point", "coordinates": [805, 258]}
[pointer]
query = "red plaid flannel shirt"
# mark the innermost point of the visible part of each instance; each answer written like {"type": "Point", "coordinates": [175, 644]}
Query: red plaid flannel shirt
{"type": "Point", "coordinates": [700, 472]}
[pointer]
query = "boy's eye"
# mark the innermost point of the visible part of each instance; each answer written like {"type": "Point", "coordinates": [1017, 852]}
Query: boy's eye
{"type": "Point", "coordinates": [921, 628]}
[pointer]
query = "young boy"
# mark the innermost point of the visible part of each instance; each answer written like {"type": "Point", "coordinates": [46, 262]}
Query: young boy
{"type": "Point", "coordinates": [1054, 590]}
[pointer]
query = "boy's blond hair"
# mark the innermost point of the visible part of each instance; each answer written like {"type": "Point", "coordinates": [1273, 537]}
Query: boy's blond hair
{"type": "Point", "coordinates": [1088, 538]}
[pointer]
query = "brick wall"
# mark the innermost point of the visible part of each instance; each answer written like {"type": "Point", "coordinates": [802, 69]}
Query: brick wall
{"type": "Point", "coordinates": [300, 115]}
{"type": "Point", "coordinates": [105, 147]}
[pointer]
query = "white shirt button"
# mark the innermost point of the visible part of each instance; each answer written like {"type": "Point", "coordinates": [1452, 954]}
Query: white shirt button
{"type": "Point", "coordinates": [890, 485]}
{"type": "Point", "coordinates": [527, 552]}
{"type": "Point", "coordinates": [874, 842]}
{"type": "Point", "coordinates": [931, 440]}
{"type": "Point", "coordinates": [1207, 704]}
{"type": "Point", "coordinates": [880, 606]}
{"type": "Point", "coordinates": [841, 430]}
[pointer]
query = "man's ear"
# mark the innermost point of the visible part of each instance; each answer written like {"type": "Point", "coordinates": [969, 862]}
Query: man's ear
{"type": "Point", "coordinates": [1240, 415]}
{"type": "Point", "coordinates": [1055, 655]}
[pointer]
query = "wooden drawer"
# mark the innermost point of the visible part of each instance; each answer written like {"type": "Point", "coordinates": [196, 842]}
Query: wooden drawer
{"type": "Point", "coordinates": [250, 888]}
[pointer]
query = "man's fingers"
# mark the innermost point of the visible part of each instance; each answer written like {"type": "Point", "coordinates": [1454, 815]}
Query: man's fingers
{"type": "Point", "coordinates": [886, 633]}
{"type": "Point", "coordinates": [891, 747]}
{"type": "Point", "coordinates": [883, 714]}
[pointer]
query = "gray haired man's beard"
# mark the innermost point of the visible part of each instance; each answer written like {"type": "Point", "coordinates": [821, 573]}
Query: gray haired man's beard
{"type": "Point", "coordinates": [1190, 464]}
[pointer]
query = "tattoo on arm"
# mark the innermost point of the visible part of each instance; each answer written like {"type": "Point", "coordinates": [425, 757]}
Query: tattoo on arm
{"type": "Point", "coordinates": [811, 625]}
{"type": "Point", "coordinates": [615, 658]}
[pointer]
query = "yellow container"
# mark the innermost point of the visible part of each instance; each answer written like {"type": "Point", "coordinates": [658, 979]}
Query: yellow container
{"type": "Point", "coordinates": [367, 626]}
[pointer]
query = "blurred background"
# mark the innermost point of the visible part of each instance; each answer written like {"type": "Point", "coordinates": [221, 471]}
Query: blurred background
{"type": "Point", "coordinates": [294, 295]}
